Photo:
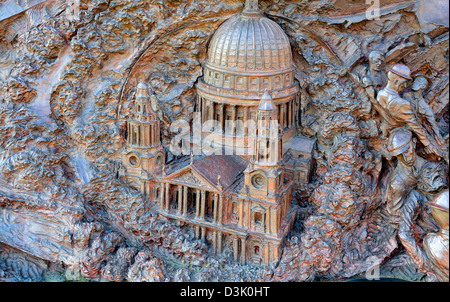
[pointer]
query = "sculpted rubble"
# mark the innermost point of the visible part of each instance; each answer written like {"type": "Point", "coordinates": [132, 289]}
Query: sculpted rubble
{"type": "Point", "coordinates": [156, 141]}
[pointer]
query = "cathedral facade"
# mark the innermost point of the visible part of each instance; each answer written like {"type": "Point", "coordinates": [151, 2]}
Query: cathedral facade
{"type": "Point", "coordinates": [240, 203]}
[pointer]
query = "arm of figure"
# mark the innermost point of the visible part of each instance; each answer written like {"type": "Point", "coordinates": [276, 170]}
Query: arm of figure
{"type": "Point", "coordinates": [406, 235]}
{"type": "Point", "coordinates": [426, 111]}
{"type": "Point", "coordinates": [405, 112]}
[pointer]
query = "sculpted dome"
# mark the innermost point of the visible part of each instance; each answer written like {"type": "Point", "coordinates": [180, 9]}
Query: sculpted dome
{"type": "Point", "coordinates": [250, 44]}
{"type": "Point", "coordinates": [248, 55]}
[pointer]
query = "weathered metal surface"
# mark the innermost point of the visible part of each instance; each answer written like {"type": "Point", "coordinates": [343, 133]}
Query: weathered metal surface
{"type": "Point", "coordinates": [359, 161]}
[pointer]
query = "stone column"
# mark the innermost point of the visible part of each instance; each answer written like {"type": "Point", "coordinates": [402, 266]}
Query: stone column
{"type": "Point", "coordinates": [236, 248]}
{"type": "Point", "coordinates": [216, 201]}
{"type": "Point", "coordinates": [211, 111]}
{"type": "Point", "coordinates": [185, 200]}
{"type": "Point", "coordinates": [266, 253]}
{"type": "Point", "coordinates": [214, 241]}
{"type": "Point", "coordinates": [294, 105]}
{"type": "Point", "coordinates": [243, 250]}
{"type": "Point", "coordinates": [202, 110]}
{"type": "Point", "coordinates": [197, 232]}
{"type": "Point", "coordinates": [233, 130]}
{"type": "Point", "coordinates": [222, 117]}
{"type": "Point", "coordinates": [274, 253]}
{"type": "Point", "coordinates": [245, 121]}
{"type": "Point", "coordinates": [219, 242]}
{"type": "Point", "coordinates": [289, 113]}
{"type": "Point", "coordinates": [162, 196]}
{"type": "Point", "coordinates": [203, 236]}
{"type": "Point", "coordinates": [197, 204]}
{"type": "Point", "coordinates": [292, 112]}
{"type": "Point", "coordinates": [274, 221]}
{"type": "Point", "coordinates": [167, 196]}
{"type": "Point", "coordinates": [129, 134]}
{"type": "Point", "coordinates": [220, 217]}
{"type": "Point", "coordinates": [202, 210]}
{"type": "Point", "coordinates": [180, 199]}
{"type": "Point", "coordinates": [241, 213]}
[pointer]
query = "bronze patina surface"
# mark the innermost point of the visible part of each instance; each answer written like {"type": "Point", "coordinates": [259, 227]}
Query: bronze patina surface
{"type": "Point", "coordinates": [162, 140]}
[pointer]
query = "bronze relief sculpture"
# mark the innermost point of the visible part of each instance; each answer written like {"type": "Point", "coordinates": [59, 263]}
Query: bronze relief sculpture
{"type": "Point", "coordinates": [223, 141]}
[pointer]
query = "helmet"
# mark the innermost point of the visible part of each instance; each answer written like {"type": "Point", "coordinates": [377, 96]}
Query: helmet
{"type": "Point", "coordinates": [401, 70]}
{"type": "Point", "coordinates": [399, 140]}
{"type": "Point", "coordinates": [439, 208]}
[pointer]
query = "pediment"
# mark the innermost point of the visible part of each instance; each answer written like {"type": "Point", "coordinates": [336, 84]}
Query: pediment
{"type": "Point", "coordinates": [190, 178]}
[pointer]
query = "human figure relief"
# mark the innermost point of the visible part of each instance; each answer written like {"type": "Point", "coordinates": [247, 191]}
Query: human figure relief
{"type": "Point", "coordinates": [432, 254]}
{"type": "Point", "coordinates": [402, 146]}
{"type": "Point", "coordinates": [374, 76]}
{"type": "Point", "coordinates": [399, 112]}
{"type": "Point", "coordinates": [423, 109]}
{"type": "Point", "coordinates": [371, 78]}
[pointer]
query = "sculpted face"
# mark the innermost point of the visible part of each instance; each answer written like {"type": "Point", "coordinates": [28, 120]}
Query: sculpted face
{"type": "Point", "coordinates": [410, 155]}
{"type": "Point", "coordinates": [432, 178]}
{"type": "Point", "coordinates": [376, 61]}
{"type": "Point", "coordinates": [396, 82]}
{"type": "Point", "coordinates": [420, 83]}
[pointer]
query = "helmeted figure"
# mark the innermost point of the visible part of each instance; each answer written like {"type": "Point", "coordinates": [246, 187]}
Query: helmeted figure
{"type": "Point", "coordinates": [402, 145]}
{"type": "Point", "coordinates": [432, 258]}
{"type": "Point", "coordinates": [398, 112]}
{"type": "Point", "coordinates": [436, 244]}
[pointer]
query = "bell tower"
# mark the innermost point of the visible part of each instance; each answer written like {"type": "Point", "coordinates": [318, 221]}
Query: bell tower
{"type": "Point", "coordinates": [143, 157]}
{"type": "Point", "coordinates": [263, 176]}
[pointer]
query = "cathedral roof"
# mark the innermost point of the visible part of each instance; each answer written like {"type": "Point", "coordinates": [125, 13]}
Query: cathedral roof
{"type": "Point", "coordinates": [227, 166]}
{"type": "Point", "coordinates": [250, 43]}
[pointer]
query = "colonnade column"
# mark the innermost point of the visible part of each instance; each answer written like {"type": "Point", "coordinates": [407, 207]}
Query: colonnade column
{"type": "Point", "coordinates": [293, 112]}
{"type": "Point", "coordinates": [236, 248]}
{"type": "Point", "coordinates": [219, 242]}
{"type": "Point", "coordinates": [233, 130]}
{"type": "Point", "coordinates": [289, 112]}
{"type": "Point", "coordinates": [185, 200]}
{"type": "Point", "coordinates": [220, 215]}
{"type": "Point", "coordinates": [203, 201]}
{"type": "Point", "coordinates": [203, 235]}
{"type": "Point", "coordinates": [245, 121]}
{"type": "Point", "coordinates": [243, 250]}
{"type": "Point", "coordinates": [211, 111]}
{"type": "Point", "coordinates": [282, 116]}
{"type": "Point", "coordinates": [197, 204]}
{"type": "Point", "coordinates": [180, 199]}
{"type": "Point", "coordinates": [222, 117]}
{"type": "Point", "coordinates": [167, 197]}
{"type": "Point", "coordinates": [216, 201]}
{"type": "Point", "coordinates": [162, 196]}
